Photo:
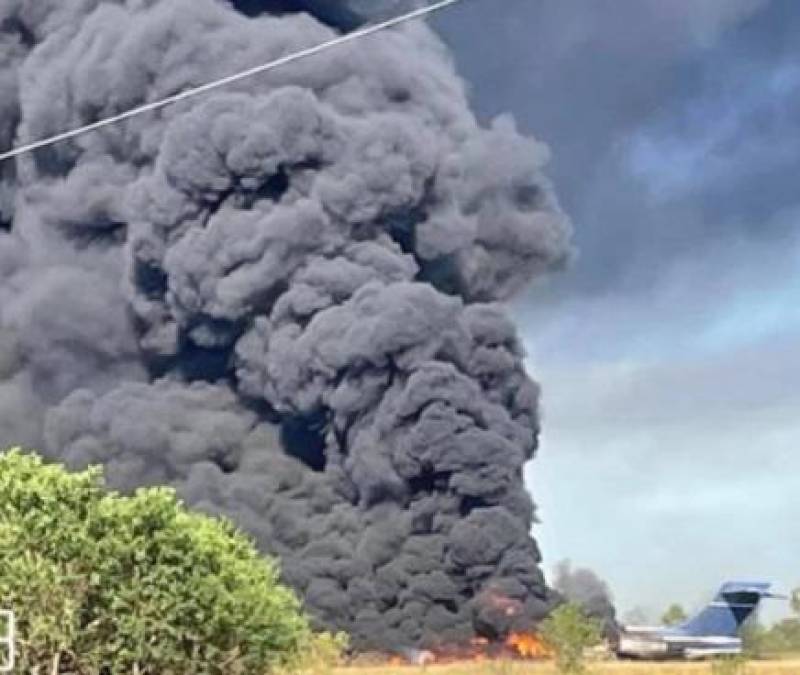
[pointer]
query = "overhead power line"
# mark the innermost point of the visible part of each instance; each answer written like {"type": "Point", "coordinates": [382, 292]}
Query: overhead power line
{"type": "Point", "coordinates": [230, 79]}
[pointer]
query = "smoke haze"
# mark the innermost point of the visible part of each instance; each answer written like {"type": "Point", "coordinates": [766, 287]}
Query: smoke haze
{"type": "Point", "coordinates": [583, 587]}
{"type": "Point", "coordinates": [282, 299]}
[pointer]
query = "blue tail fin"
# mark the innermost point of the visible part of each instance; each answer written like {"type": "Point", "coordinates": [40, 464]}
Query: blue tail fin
{"type": "Point", "coordinates": [732, 606]}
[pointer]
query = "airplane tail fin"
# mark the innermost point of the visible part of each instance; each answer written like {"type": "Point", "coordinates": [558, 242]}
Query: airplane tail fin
{"type": "Point", "coordinates": [733, 605]}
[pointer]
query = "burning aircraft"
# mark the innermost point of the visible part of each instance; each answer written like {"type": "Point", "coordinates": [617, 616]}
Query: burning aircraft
{"type": "Point", "coordinates": [284, 299]}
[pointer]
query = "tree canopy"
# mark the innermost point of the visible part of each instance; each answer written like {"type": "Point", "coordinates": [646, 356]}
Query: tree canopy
{"type": "Point", "coordinates": [102, 582]}
{"type": "Point", "coordinates": [674, 615]}
{"type": "Point", "coordinates": [569, 631]}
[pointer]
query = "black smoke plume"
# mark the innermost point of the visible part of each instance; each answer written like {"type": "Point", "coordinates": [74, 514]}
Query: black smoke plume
{"type": "Point", "coordinates": [283, 298]}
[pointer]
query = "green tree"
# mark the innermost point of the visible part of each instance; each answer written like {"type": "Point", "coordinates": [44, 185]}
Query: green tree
{"type": "Point", "coordinates": [107, 583]}
{"type": "Point", "coordinates": [674, 615]}
{"type": "Point", "coordinates": [783, 637]}
{"type": "Point", "coordinates": [569, 631]}
{"type": "Point", "coordinates": [755, 637]}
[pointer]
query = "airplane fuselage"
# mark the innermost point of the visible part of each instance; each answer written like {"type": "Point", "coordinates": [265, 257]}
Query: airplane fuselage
{"type": "Point", "coordinates": [665, 644]}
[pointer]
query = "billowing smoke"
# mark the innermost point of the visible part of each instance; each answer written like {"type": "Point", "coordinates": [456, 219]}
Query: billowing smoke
{"type": "Point", "coordinates": [283, 298]}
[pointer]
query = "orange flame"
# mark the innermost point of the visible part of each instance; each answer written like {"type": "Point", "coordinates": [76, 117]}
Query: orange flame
{"type": "Point", "coordinates": [528, 646]}
{"type": "Point", "coordinates": [517, 646]}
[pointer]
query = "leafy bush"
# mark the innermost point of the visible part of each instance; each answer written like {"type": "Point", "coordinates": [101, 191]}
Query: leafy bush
{"type": "Point", "coordinates": [569, 632]}
{"type": "Point", "coordinates": [782, 638]}
{"type": "Point", "coordinates": [103, 583]}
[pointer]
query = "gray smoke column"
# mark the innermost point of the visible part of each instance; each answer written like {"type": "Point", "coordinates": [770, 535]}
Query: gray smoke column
{"type": "Point", "coordinates": [282, 299]}
{"type": "Point", "coordinates": [582, 586]}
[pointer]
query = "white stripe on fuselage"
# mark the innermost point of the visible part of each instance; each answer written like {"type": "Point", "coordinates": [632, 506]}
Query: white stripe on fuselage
{"type": "Point", "coordinates": [720, 640]}
{"type": "Point", "coordinates": [661, 633]}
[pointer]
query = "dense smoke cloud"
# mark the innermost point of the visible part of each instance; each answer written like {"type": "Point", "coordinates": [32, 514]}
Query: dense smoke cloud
{"type": "Point", "coordinates": [282, 299]}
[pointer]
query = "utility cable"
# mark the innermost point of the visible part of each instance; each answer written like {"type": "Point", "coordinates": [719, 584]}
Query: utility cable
{"type": "Point", "coordinates": [230, 79]}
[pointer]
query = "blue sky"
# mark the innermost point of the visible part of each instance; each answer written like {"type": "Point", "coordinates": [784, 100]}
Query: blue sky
{"type": "Point", "coordinates": [670, 353]}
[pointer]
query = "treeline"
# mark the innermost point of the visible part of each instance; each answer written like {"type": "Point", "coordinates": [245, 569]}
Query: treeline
{"type": "Point", "coordinates": [778, 639]}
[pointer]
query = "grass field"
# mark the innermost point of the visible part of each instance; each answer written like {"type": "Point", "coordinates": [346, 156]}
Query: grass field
{"type": "Point", "coordinates": [788, 667]}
